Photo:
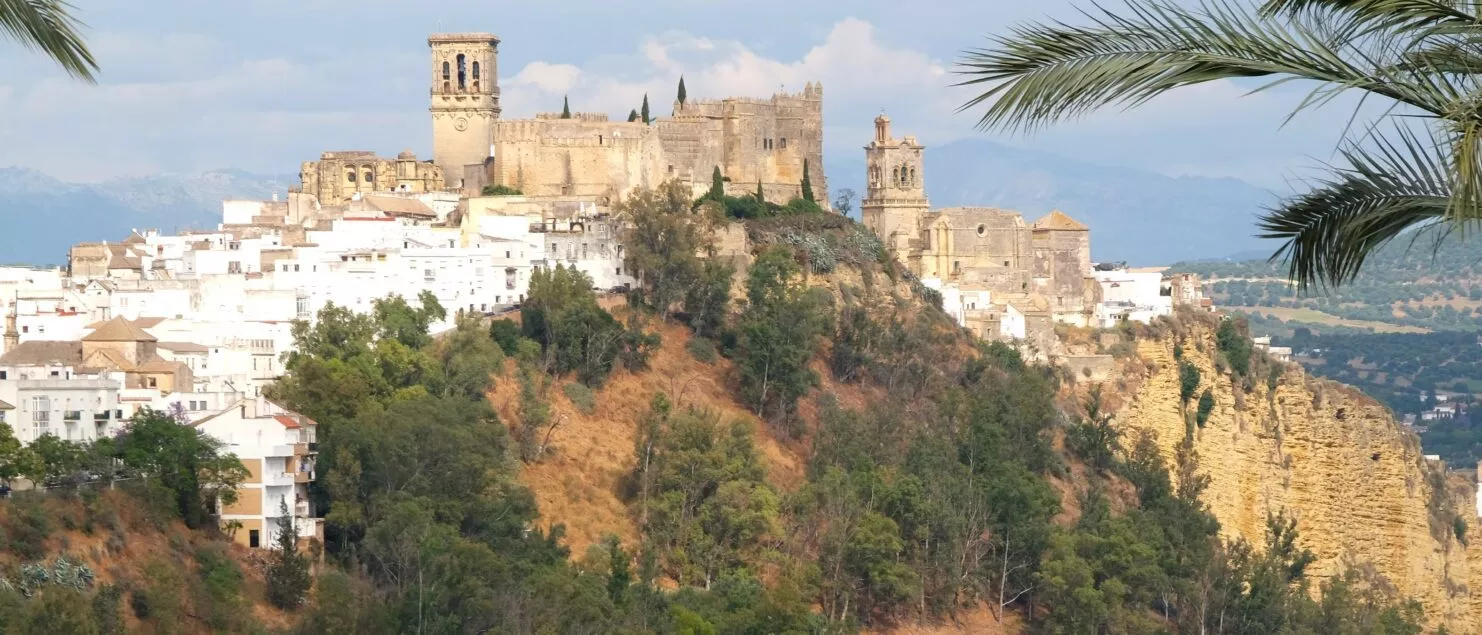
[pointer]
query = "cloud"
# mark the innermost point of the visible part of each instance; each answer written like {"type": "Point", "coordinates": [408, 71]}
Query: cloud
{"type": "Point", "coordinates": [859, 73]}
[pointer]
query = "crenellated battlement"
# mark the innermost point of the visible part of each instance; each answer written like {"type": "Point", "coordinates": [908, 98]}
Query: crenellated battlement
{"type": "Point", "coordinates": [576, 116]}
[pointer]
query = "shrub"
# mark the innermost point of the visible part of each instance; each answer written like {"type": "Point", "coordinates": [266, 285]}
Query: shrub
{"type": "Point", "coordinates": [28, 527]}
{"type": "Point", "coordinates": [581, 397]}
{"type": "Point", "coordinates": [702, 349]}
{"type": "Point", "coordinates": [499, 190]}
{"type": "Point", "coordinates": [1235, 344]}
{"type": "Point", "coordinates": [1206, 406]}
{"type": "Point", "coordinates": [1188, 381]}
{"type": "Point", "coordinates": [506, 334]}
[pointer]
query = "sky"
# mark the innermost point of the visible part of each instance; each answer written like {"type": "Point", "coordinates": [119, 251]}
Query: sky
{"type": "Point", "coordinates": [262, 85]}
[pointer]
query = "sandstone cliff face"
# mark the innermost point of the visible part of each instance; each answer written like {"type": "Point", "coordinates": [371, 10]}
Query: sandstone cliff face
{"type": "Point", "coordinates": [1333, 458]}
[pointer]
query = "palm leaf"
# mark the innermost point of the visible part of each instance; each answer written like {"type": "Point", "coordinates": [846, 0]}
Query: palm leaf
{"type": "Point", "coordinates": [1040, 74]}
{"type": "Point", "coordinates": [48, 26]}
{"type": "Point", "coordinates": [1386, 190]}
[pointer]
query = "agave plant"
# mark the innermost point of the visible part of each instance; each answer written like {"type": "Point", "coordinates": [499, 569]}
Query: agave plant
{"type": "Point", "coordinates": [1419, 165]}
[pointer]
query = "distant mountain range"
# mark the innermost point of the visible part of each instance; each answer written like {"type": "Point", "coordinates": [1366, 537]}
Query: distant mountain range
{"type": "Point", "coordinates": [1139, 217]}
{"type": "Point", "coordinates": [41, 216]}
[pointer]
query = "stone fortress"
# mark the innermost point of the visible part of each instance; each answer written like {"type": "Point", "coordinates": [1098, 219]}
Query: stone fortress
{"type": "Point", "coordinates": [754, 141]}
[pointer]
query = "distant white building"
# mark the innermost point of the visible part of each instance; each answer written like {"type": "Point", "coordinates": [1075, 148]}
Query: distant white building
{"type": "Point", "coordinates": [1130, 295]}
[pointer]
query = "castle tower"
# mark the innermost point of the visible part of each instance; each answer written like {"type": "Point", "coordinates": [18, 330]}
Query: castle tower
{"type": "Point", "coordinates": [465, 100]}
{"type": "Point", "coordinates": [895, 197]}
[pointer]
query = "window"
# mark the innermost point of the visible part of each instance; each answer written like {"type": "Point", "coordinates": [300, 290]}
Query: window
{"type": "Point", "coordinates": [446, 70]}
{"type": "Point", "coordinates": [151, 382]}
{"type": "Point", "coordinates": [509, 278]}
{"type": "Point", "coordinates": [462, 71]}
{"type": "Point", "coordinates": [475, 71]}
{"type": "Point", "coordinates": [350, 175]}
{"type": "Point", "coordinates": [27, 329]}
{"type": "Point", "coordinates": [584, 251]}
{"type": "Point", "coordinates": [782, 143]}
{"type": "Point", "coordinates": [253, 539]}
{"type": "Point", "coordinates": [370, 178]}
{"type": "Point", "coordinates": [4, 374]}
{"type": "Point", "coordinates": [982, 229]}
{"type": "Point", "coordinates": [234, 267]}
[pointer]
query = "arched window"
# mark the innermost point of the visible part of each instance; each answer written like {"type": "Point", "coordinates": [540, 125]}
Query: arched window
{"type": "Point", "coordinates": [370, 177]}
{"type": "Point", "coordinates": [462, 71]}
{"type": "Point", "coordinates": [350, 175]}
{"type": "Point", "coordinates": [895, 175]}
{"type": "Point", "coordinates": [447, 71]}
{"type": "Point", "coordinates": [475, 71]}
{"type": "Point", "coordinates": [913, 176]}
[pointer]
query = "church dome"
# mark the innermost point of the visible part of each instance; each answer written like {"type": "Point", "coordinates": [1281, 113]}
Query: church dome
{"type": "Point", "coordinates": [406, 155]}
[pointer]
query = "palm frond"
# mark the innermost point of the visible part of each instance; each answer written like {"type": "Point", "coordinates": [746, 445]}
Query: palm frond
{"type": "Point", "coordinates": [1380, 15]}
{"type": "Point", "coordinates": [1384, 191]}
{"type": "Point", "coordinates": [48, 26]}
{"type": "Point", "coordinates": [1042, 73]}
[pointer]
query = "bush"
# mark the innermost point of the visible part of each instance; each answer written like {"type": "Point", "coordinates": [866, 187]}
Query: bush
{"type": "Point", "coordinates": [499, 190]}
{"type": "Point", "coordinates": [1206, 406]}
{"type": "Point", "coordinates": [702, 349]}
{"type": "Point", "coordinates": [28, 527]}
{"type": "Point", "coordinates": [506, 334]}
{"type": "Point", "coordinates": [1188, 381]}
{"type": "Point", "coordinates": [581, 397]}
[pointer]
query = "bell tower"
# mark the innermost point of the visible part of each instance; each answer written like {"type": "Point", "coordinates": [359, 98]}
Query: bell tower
{"type": "Point", "coordinates": [895, 197]}
{"type": "Point", "coordinates": [465, 100]}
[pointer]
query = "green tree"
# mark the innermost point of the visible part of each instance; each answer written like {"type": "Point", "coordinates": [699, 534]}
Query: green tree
{"type": "Point", "coordinates": [1406, 54]}
{"type": "Point", "coordinates": [643, 111]}
{"type": "Point", "coordinates": [632, 115]}
{"type": "Point", "coordinates": [760, 194]}
{"type": "Point", "coordinates": [1206, 406]}
{"type": "Point", "coordinates": [1234, 342]}
{"type": "Point", "coordinates": [717, 186]}
{"type": "Point", "coordinates": [397, 320]}
{"type": "Point", "coordinates": [1188, 381]}
{"type": "Point", "coordinates": [185, 461]}
{"type": "Point", "coordinates": [844, 202]}
{"type": "Point", "coordinates": [565, 107]}
{"type": "Point", "coordinates": [779, 332]}
{"type": "Point", "coordinates": [561, 314]}
{"type": "Point", "coordinates": [807, 184]}
{"type": "Point", "coordinates": [683, 95]}
{"type": "Point", "coordinates": [56, 459]}
{"type": "Point", "coordinates": [49, 27]}
{"type": "Point", "coordinates": [287, 577]}
{"type": "Point", "coordinates": [663, 237]}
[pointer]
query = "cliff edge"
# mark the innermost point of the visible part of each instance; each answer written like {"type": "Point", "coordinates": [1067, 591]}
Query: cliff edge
{"type": "Point", "coordinates": [1336, 460]}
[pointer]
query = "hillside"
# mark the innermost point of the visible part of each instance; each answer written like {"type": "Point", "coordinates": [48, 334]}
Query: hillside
{"type": "Point", "coordinates": [1324, 453]}
{"type": "Point", "coordinates": [1140, 217]}
{"type": "Point", "coordinates": [44, 216]}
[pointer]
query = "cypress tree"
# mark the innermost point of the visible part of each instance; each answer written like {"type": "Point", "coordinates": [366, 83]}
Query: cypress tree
{"type": "Point", "coordinates": [717, 185]}
{"type": "Point", "coordinates": [565, 107]}
{"type": "Point", "coordinates": [760, 196]}
{"type": "Point", "coordinates": [682, 93]}
{"type": "Point", "coordinates": [644, 112]}
{"type": "Point", "coordinates": [632, 116]}
{"type": "Point", "coordinates": [807, 183]}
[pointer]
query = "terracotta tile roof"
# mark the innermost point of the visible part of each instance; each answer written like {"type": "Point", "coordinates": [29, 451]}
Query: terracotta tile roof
{"type": "Point", "coordinates": [398, 206]}
{"type": "Point", "coordinates": [119, 330]}
{"type": "Point", "coordinates": [43, 352]}
{"type": "Point", "coordinates": [183, 347]}
{"type": "Point", "coordinates": [288, 422]}
{"type": "Point", "coordinates": [158, 365]}
{"type": "Point", "coordinates": [110, 358]}
{"type": "Point", "coordinates": [1058, 220]}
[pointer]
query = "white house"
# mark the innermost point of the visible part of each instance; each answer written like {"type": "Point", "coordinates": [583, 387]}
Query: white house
{"type": "Point", "coordinates": [279, 448]}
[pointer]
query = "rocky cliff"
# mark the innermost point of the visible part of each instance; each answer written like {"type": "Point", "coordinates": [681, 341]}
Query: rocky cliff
{"type": "Point", "coordinates": [1335, 459]}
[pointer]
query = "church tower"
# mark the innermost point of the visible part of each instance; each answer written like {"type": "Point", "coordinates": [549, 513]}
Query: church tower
{"type": "Point", "coordinates": [465, 100]}
{"type": "Point", "coordinates": [895, 198]}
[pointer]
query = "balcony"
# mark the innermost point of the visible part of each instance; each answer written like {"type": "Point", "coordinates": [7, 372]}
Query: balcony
{"type": "Point", "coordinates": [100, 417]}
{"type": "Point", "coordinates": [304, 449]}
{"type": "Point", "coordinates": [72, 415]}
{"type": "Point", "coordinates": [302, 478]}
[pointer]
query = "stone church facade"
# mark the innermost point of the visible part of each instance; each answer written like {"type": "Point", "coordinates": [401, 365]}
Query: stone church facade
{"type": "Point", "coordinates": [1039, 269]}
{"type": "Point", "coordinates": [754, 141]}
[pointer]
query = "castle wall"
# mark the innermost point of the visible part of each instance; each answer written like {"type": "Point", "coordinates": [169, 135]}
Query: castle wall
{"type": "Point", "coordinates": [575, 157]}
{"type": "Point", "coordinates": [338, 176]}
